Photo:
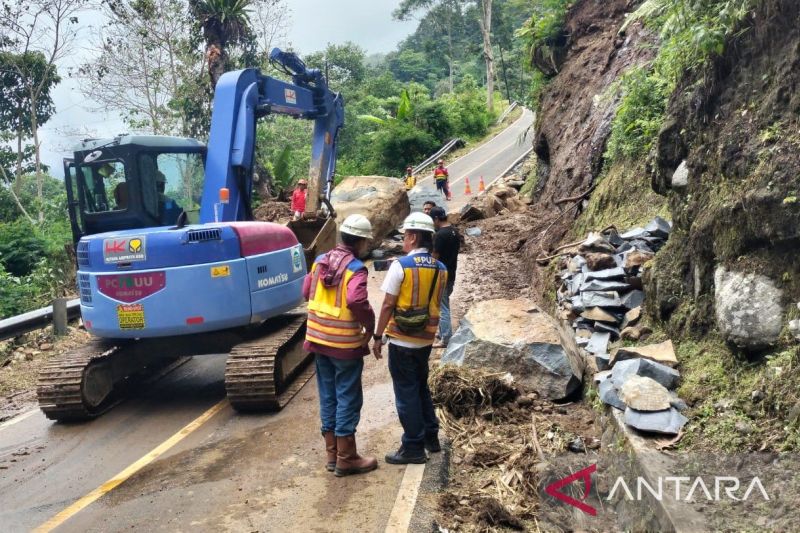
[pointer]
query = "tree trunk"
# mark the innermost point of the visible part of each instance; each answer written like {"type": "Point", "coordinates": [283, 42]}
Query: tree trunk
{"type": "Point", "coordinates": [217, 58]}
{"type": "Point", "coordinates": [486, 31]}
{"type": "Point", "coordinates": [37, 151]}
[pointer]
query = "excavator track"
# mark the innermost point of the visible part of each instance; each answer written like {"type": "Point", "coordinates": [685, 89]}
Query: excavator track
{"type": "Point", "coordinates": [265, 373]}
{"type": "Point", "coordinates": [60, 388]}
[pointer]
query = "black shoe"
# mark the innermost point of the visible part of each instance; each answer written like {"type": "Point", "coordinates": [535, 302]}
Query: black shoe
{"type": "Point", "coordinates": [404, 457]}
{"type": "Point", "coordinates": [432, 445]}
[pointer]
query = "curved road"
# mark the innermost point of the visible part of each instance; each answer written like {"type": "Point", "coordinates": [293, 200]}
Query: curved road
{"type": "Point", "coordinates": [175, 456]}
{"type": "Point", "coordinates": [490, 160]}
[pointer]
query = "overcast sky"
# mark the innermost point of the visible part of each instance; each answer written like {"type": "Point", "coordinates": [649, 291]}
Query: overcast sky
{"type": "Point", "coordinates": [312, 25]}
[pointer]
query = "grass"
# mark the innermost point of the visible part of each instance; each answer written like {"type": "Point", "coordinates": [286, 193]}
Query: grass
{"type": "Point", "coordinates": [724, 415]}
{"type": "Point", "coordinates": [623, 198]}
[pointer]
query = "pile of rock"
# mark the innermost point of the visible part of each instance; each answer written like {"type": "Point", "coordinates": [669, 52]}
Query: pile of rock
{"type": "Point", "coordinates": [601, 286]}
{"type": "Point", "coordinates": [500, 198]}
{"type": "Point", "coordinates": [601, 296]}
{"type": "Point", "coordinates": [641, 382]}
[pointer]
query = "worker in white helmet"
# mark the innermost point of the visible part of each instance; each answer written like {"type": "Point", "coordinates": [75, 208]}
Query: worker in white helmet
{"type": "Point", "coordinates": [340, 323]}
{"type": "Point", "coordinates": [409, 316]}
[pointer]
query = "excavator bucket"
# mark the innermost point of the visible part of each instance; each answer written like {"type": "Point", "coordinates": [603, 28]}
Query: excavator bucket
{"type": "Point", "coordinates": [316, 235]}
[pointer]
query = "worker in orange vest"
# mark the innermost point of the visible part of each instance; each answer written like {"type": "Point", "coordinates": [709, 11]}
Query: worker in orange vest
{"type": "Point", "coordinates": [340, 324]}
{"type": "Point", "coordinates": [442, 177]}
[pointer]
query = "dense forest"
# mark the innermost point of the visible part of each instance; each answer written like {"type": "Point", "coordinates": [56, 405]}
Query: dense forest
{"type": "Point", "coordinates": [155, 63]}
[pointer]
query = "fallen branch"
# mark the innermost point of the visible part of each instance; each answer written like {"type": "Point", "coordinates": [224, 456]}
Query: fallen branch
{"type": "Point", "coordinates": [575, 198]}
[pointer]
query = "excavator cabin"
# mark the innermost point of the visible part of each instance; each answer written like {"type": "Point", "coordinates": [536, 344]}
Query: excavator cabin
{"type": "Point", "coordinates": [133, 181]}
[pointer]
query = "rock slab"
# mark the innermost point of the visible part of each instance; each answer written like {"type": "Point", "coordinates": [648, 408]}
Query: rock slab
{"type": "Point", "coordinates": [515, 336]}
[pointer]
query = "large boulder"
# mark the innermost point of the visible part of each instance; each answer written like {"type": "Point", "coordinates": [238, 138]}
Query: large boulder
{"type": "Point", "coordinates": [748, 308]}
{"type": "Point", "coordinates": [382, 200]}
{"type": "Point", "coordinates": [515, 336]}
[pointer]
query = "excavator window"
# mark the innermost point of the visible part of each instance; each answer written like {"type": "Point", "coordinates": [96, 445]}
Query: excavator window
{"type": "Point", "coordinates": [104, 185]}
{"type": "Point", "coordinates": [172, 183]}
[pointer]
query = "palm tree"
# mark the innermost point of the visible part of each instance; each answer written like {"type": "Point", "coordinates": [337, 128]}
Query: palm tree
{"type": "Point", "coordinates": [224, 22]}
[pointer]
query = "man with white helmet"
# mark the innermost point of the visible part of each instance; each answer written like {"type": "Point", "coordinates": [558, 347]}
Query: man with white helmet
{"type": "Point", "coordinates": [409, 317]}
{"type": "Point", "coordinates": [340, 322]}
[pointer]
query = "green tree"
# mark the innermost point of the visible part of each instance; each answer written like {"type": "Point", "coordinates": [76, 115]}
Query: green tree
{"type": "Point", "coordinates": [342, 63]}
{"type": "Point", "coordinates": [39, 33]}
{"type": "Point", "coordinates": [224, 23]}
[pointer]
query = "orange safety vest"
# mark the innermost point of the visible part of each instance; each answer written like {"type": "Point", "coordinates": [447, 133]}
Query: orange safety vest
{"type": "Point", "coordinates": [439, 173]}
{"type": "Point", "coordinates": [330, 321]}
{"type": "Point", "coordinates": [418, 271]}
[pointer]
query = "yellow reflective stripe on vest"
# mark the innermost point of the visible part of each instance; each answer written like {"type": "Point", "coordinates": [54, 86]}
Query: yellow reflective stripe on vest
{"type": "Point", "coordinates": [413, 291]}
{"type": "Point", "coordinates": [330, 321]}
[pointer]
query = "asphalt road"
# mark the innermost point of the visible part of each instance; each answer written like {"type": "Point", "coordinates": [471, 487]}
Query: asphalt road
{"type": "Point", "coordinates": [491, 161]}
{"type": "Point", "coordinates": [188, 461]}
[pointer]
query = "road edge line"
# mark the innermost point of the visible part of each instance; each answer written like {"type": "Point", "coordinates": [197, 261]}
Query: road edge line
{"type": "Point", "coordinates": [140, 463]}
{"type": "Point", "coordinates": [19, 418]}
{"type": "Point", "coordinates": [406, 501]}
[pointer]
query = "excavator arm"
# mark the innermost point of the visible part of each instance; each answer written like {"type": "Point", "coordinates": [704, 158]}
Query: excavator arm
{"type": "Point", "coordinates": [240, 99]}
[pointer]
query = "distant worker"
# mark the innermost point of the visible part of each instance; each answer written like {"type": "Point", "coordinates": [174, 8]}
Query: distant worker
{"type": "Point", "coordinates": [410, 316]}
{"type": "Point", "coordinates": [442, 177]}
{"type": "Point", "coordinates": [340, 323]}
{"type": "Point", "coordinates": [427, 206]}
{"type": "Point", "coordinates": [446, 245]}
{"type": "Point", "coordinates": [410, 179]}
{"type": "Point", "coordinates": [299, 199]}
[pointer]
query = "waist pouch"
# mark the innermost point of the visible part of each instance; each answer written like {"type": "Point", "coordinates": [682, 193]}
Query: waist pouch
{"type": "Point", "coordinates": [415, 319]}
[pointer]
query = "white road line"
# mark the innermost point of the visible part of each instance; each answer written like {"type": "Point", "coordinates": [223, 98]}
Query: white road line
{"type": "Point", "coordinates": [525, 111]}
{"type": "Point", "coordinates": [406, 500]}
{"type": "Point", "coordinates": [18, 418]}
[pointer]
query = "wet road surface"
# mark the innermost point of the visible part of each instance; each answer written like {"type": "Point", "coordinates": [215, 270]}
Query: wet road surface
{"type": "Point", "coordinates": [235, 472]}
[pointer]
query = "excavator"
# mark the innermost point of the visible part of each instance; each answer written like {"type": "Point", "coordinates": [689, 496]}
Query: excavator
{"type": "Point", "coordinates": [171, 264]}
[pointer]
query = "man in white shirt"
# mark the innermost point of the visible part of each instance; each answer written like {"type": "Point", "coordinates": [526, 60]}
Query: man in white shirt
{"type": "Point", "coordinates": [409, 316]}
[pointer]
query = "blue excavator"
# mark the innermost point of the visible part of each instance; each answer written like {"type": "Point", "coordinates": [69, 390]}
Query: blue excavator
{"type": "Point", "coordinates": [171, 263]}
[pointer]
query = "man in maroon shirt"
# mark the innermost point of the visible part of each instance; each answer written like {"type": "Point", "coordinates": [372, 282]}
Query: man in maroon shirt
{"type": "Point", "coordinates": [340, 324]}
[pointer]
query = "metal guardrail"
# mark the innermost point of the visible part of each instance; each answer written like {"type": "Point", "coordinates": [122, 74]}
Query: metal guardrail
{"type": "Point", "coordinates": [508, 111]}
{"type": "Point", "coordinates": [442, 151]}
{"type": "Point", "coordinates": [17, 325]}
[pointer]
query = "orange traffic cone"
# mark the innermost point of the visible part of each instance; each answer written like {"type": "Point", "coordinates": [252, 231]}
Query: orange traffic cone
{"type": "Point", "coordinates": [467, 188]}
{"type": "Point", "coordinates": [481, 186]}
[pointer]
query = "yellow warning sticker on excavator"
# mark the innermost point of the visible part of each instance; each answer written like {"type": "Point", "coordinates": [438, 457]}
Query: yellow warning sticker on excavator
{"type": "Point", "coordinates": [130, 316]}
{"type": "Point", "coordinates": [221, 271]}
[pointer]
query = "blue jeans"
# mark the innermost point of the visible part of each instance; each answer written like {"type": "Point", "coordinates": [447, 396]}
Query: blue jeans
{"type": "Point", "coordinates": [412, 397]}
{"type": "Point", "coordinates": [445, 322]}
{"type": "Point", "coordinates": [340, 394]}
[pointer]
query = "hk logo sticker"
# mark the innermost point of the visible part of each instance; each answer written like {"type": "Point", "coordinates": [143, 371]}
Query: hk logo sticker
{"type": "Point", "coordinates": [554, 489]}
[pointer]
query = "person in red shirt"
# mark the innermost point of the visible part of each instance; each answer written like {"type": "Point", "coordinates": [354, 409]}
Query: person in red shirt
{"type": "Point", "coordinates": [442, 178]}
{"type": "Point", "coordinates": [299, 199]}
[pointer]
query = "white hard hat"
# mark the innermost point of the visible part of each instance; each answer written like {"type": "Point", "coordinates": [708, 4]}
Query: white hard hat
{"type": "Point", "coordinates": [418, 221]}
{"type": "Point", "coordinates": [358, 226]}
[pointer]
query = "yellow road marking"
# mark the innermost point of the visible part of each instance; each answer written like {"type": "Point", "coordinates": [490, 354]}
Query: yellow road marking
{"type": "Point", "coordinates": [403, 508]}
{"type": "Point", "coordinates": [120, 478]}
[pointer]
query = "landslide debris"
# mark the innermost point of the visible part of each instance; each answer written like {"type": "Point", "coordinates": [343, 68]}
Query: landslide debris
{"type": "Point", "coordinates": [501, 439]}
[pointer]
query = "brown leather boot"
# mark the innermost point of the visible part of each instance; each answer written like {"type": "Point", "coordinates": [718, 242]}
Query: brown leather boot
{"type": "Point", "coordinates": [330, 448]}
{"type": "Point", "coordinates": [347, 459]}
